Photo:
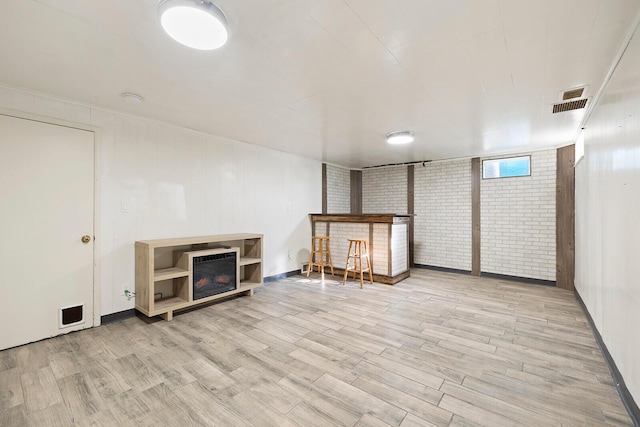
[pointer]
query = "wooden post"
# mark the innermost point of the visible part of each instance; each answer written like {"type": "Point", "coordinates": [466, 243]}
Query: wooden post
{"type": "Point", "coordinates": [475, 217]}
{"type": "Point", "coordinates": [565, 217]}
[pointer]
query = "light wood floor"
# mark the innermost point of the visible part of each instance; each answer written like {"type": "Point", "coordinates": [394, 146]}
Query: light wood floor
{"type": "Point", "coordinates": [437, 349]}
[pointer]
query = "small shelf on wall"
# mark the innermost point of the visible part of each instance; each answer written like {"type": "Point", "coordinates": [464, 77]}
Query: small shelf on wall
{"type": "Point", "coordinates": [161, 270]}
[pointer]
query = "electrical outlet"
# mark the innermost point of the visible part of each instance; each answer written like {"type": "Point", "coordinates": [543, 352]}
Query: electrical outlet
{"type": "Point", "coordinates": [126, 288]}
{"type": "Point", "coordinates": [289, 255]}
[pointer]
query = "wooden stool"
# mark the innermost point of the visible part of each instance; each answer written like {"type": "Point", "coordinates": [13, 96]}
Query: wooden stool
{"type": "Point", "coordinates": [320, 253]}
{"type": "Point", "coordinates": [360, 251]}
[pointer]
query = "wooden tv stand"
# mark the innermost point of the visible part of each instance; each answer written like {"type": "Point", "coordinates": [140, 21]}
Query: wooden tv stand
{"type": "Point", "coordinates": [164, 282]}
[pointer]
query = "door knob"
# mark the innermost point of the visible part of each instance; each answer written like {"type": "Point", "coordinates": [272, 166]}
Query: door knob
{"type": "Point", "coordinates": [86, 238]}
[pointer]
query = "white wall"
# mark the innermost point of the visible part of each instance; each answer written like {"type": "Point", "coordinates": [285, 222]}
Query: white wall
{"type": "Point", "coordinates": [384, 190]}
{"type": "Point", "coordinates": [177, 182]}
{"type": "Point", "coordinates": [442, 225]}
{"type": "Point", "coordinates": [608, 218]}
{"type": "Point", "coordinates": [518, 221]}
{"type": "Point", "coordinates": [338, 190]}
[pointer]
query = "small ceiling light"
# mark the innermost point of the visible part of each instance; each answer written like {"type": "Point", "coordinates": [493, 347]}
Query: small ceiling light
{"type": "Point", "coordinates": [397, 138]}
{"type": "Point", "coordinates": [198, 24]}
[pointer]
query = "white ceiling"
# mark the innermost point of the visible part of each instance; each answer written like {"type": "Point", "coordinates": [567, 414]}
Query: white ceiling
{"type": "Point", "coordinates": [328, 79]}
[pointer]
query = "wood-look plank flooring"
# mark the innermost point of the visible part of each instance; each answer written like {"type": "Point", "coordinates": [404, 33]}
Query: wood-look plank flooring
{"type": "Point", "coordinates": [437, 349]}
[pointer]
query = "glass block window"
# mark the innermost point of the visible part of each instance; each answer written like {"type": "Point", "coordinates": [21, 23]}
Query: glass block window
{"type": "Point", "coordinates": [506, 168]}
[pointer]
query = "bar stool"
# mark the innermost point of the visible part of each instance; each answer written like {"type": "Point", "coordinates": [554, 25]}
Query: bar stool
{"type": "Point", "coordinates": [323, 255]}
{"type": "Point", "coordinates": [359, 252]}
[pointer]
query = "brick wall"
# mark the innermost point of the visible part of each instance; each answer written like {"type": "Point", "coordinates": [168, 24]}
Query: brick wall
{"type": "Point", "coordinates": [518, 221]}
{"type": "Point", "coordinates": [384, 190]}
{"type": "Point", "coordinates": [340, 233]}
{"type": "Point", "coordinates": [380, 249]}
{"type": "Point", "coordinates": [442, 225]}
{"type": "Point", "coordinates": [517, 214]}
{"type": "Point", "coordinates": [338, 190]}
{"type": "Point", "coordinates": [399, 248]}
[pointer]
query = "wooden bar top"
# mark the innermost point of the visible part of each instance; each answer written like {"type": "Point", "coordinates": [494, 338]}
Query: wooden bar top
{"type": "Point", "coordinates": [384, 218]}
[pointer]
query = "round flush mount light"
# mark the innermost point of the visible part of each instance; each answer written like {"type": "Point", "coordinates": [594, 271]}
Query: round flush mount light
{"type": "Point", "coordinates": [198, 24]}
{"type": "Point", "coordinates": [397, 138]}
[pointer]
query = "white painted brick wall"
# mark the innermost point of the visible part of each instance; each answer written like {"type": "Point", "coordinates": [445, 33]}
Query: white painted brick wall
{"type": "Point", "coordinates": [442, 225]}
{"type": "Point", "coordinates": [340, 232]}
{"type": "Point", "coordinates": [518, 221]}
{"type": "Point", "coordinates": [399, 249]}
{"type": "Point", "coordinates": [321, 229]}
{"type": "Point", "coordinates": [380, 249]}
{"type": "Point", "coordinates": [384, 190]}
{"type": "Point", "coordinates": [338, 190]}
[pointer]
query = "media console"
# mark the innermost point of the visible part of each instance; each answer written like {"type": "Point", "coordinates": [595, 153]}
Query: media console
{"type": "Point", "coordinates": [174, 274]}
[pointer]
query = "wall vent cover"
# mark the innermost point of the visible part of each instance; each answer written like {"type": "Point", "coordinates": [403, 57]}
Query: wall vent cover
{"type": "Point", "coordinates": [573, 93]}
{"type": "Point", "coordinates": [568, 106]}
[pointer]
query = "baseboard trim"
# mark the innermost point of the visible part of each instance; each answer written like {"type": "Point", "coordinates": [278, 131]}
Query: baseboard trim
{"type": "Point", "coordinates": [527, 280]}
{"type": "Point", "coordinates": [491, 275]}
{"type": "Point", "coordinates": [126, 314]}
{"type": "Point", "coordinates": [280, 276]}
{"type": "Point", "coordinates": [627, 399]}
{"type": "Point", "coordinates": [118, 316]}
{"type": "Point", "coordinates": [444, 269]}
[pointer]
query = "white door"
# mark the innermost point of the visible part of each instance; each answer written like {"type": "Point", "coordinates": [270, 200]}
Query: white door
{"type": "Point", "coordinates": [46, 207]}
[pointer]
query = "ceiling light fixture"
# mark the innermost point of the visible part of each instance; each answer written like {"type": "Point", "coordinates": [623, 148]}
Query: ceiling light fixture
{"type": "Point", "coordinates": [397, 138]}
{"type": "Point", "coordinates": [198, 24]}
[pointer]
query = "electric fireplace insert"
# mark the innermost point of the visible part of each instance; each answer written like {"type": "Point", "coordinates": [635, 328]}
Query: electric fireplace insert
{"type": "Point", "coordinates": [214, 272]}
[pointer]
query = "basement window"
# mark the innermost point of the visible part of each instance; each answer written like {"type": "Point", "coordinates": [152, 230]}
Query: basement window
{"type": "Point", "coordinates": [507, 167]}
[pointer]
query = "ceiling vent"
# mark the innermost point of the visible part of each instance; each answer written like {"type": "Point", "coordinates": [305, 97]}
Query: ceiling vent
{"type": "Point", "coordinates": [568, 106]}
{"type": "Point", "coordinates": [572, 94]}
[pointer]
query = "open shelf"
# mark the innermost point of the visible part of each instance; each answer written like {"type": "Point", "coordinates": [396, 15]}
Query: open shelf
{"type": "Point", "coordinates": [249, 285]}
{"type": "Point", "coordinates": [175, 278]}
{"type": "Point", "coordinates": [248, 261]}
{"type": "Point", "coordinates": [169, 273]}
{"type": "Point", "coordinates": [172, 303]}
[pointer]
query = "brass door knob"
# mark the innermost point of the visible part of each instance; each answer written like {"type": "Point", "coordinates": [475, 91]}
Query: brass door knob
{"type": "Point", "coordinates": [86, 238]}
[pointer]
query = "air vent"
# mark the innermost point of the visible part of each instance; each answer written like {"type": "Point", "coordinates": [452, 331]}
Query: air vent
{"type": "Point", "coordinates": [568, 106]}
{"type": "Point", "coordinates": [573, 93]}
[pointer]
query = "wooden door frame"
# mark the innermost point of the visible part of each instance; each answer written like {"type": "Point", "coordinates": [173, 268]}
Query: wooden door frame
{"type": "Point", "coordinates": [96, 194]}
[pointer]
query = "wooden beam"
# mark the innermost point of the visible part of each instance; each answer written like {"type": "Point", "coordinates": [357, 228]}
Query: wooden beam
{"type": "Point", "coordinates": [324, 188]}
{"type": "Point", "coordinates": [565, 217]}
{"type": "Point", "coordinates": [411, 209]}
{"type": "Point", "coordinates": [356, 192]}
{"type": "Point", "coordinates": [475, 217]}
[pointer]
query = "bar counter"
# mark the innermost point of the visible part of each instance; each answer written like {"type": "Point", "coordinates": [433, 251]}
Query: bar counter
{"type": "Point", "coordinates": [387, 236]}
